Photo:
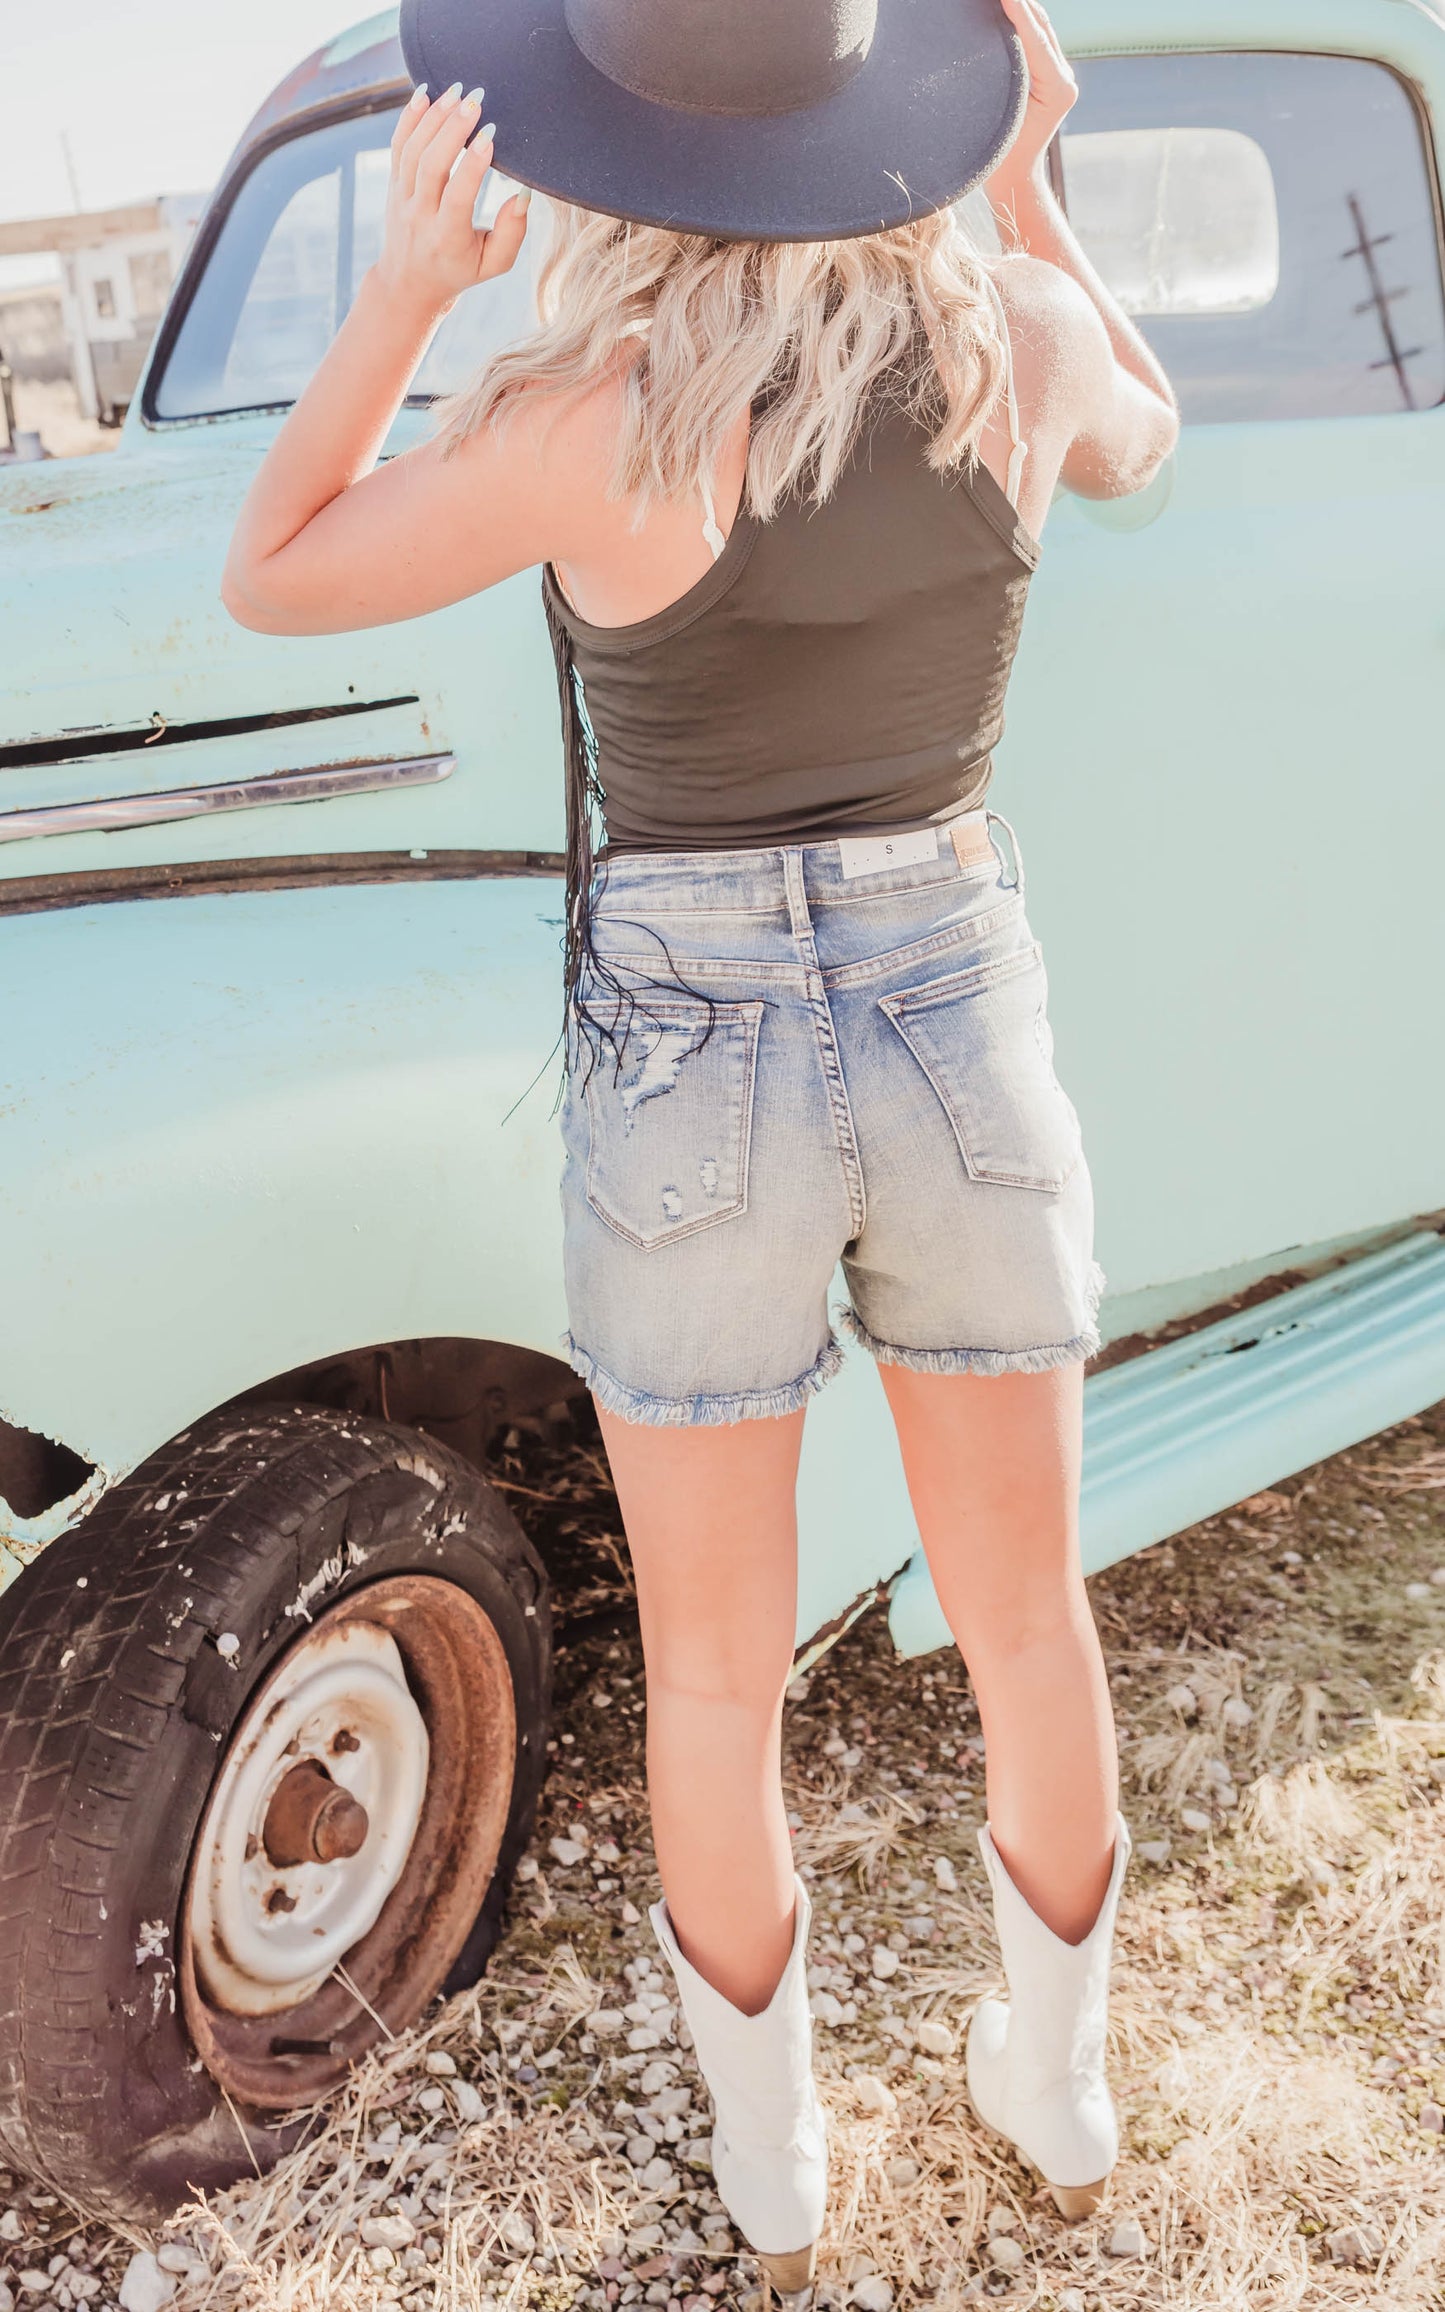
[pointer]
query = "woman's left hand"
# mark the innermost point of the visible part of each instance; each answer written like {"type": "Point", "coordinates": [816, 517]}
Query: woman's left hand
{"type": "Point", "coordinates": [431, 250]}
{"type": "Point", "coordinates": [1053, 93]}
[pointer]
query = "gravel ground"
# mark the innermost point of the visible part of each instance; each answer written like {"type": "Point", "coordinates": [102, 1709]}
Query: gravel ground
{"type": "Point", "coordinates": [1279, 2040]}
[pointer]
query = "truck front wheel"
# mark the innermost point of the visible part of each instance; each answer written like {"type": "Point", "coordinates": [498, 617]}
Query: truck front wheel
{"type": "Point", "coordinates": [272, 1726]}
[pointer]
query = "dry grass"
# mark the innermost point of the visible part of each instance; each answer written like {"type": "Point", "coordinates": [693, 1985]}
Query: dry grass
{"type": "Point", "coordinates": [1280, 2006]}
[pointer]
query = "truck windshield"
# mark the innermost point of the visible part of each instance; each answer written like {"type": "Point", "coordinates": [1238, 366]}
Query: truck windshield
{"type": "Point", "coordinates": [298, 236]}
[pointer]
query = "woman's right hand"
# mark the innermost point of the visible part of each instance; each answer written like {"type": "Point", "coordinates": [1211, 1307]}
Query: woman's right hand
{"type": "Point", "coordinates": [431, 251]}
{"type": "Point", "coordinates": [1053, 93]}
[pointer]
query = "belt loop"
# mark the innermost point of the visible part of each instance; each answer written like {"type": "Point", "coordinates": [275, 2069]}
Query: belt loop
{"type": "Point", "coordinates": [1015, 860]}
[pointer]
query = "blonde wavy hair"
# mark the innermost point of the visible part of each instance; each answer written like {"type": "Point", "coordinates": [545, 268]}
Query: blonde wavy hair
{"type": "Point", "coordinates": [696, 328]}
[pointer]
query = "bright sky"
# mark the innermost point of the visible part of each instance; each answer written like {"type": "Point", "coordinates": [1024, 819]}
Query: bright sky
{"type": "Point", "coordinates": [151, 95]}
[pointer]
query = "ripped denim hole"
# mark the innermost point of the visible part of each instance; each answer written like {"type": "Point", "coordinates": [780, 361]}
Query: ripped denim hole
{"type": "Point", "coordinates": [707, 1174]}
{"type": "Point", "coordinates": [656, 1071]}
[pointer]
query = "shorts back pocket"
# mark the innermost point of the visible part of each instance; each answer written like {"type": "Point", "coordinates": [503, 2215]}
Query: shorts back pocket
{"type": "Point", "coordinates": [982, 1039]}
{"type": "Point", "coordinates": [670, 1125]}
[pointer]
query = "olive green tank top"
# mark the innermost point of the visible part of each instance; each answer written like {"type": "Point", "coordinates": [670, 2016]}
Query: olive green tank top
{"type": "Point", "coordinates": [840, 670]}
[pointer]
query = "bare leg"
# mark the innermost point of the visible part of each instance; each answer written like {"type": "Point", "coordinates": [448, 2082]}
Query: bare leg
{"type": "Point", "coordinates": [712, 1527]}
{"type": "Point", "coordinates": [993, 1474]}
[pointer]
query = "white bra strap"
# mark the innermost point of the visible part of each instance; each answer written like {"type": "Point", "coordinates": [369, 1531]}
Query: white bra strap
{"type": "Point", "coordinates": [1019, 448]}
{"type": "Point", "coordinates": [710, 530]}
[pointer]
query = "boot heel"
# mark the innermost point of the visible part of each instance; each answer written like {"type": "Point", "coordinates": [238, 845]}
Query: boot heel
{"type": "Point", "coordinates": [1075, 2201]}
{"type": "Point", "coordinates": [793, 2274]}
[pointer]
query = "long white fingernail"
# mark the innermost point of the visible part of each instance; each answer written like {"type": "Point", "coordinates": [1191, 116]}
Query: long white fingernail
{"type": "Point", "coordinates": [418, 94]}
{"type": "Point", "coordinates": [474, 96]}
{"type": "Point", "coordinates": [523, 200]}
{"type": "Point", "coordinates": [486, 132]}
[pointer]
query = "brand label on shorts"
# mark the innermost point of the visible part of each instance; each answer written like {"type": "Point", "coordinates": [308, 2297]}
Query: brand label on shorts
{"type": "Point", "coordinates": [875, 854]}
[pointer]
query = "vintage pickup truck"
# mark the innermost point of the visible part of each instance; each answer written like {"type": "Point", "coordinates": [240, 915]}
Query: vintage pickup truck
{"type": "Point", "coordinates": [279, 981]}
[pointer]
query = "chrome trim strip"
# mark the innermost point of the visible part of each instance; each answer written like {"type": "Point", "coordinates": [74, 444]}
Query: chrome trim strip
{"type": "Point", "coordinates": [315, 785]}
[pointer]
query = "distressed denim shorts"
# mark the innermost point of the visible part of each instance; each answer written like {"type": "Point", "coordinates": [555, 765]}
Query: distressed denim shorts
{"type": "Point", "coordinates": [832, 1053]}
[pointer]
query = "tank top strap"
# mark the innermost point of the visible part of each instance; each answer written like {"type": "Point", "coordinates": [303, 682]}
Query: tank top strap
{"type": "Point", "coordinates": [1018, 447]}
{"type": "Point", "coordinates": [713, 535]}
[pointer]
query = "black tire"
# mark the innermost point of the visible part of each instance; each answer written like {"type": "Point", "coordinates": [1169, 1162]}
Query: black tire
{"type": "Point", "coordinates": [116, 1703]}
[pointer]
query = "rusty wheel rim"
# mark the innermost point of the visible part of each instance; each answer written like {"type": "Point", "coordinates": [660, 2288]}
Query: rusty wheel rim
{"type": "Point", "coordinates": [458, 1687]}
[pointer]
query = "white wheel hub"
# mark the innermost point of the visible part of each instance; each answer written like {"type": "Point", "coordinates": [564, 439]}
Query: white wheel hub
{"type": "Point", "coordinates": [266, 1935]}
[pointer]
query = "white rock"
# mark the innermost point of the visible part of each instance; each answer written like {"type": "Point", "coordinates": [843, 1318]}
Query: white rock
{"type": "Point", "coordinates": [630, 1915]}
{"type": "Point", "coordinates": [1070, 2300]}
{"type": "Point", "coordinates": [826, 2009]}
{"type": "Point", "coordinates": [885, 1962]}
{"type": "Point", "coordinates": [643, 2237]}
{"type": "Point", "coordinates": [1438, 1577]}
{"type": "Point", "coordinates": [179, 2257]}
{"type": "Point", "coordinates": [1154, 1850]}
{"type": "Point", "coordinates": [875, 2294]}
{"type": "Point", "coordinates": [657, 2076]}
{"type": "Point", "coordinates": [145, 2286]}
{"type": "Point", "coordinates": [228, 1645]}
{"type": "Point", "coordinates": [1236, 1713]}
{"type": "Point", "coordinates": [566, 1851]}
{"type": "Point", "coordinates": [659, 2175]}
{"type": "Point", "coordinates": [11, 2227]}
{"type": "Point", "coordinates": [516, 2234]}
{"type": "Point", "coordinates": [1193, 1818]}
{"type": "Point", "coordinates": [1127, 2239]}
{"type": "Point", "coordinates": [441, 2065]}
{"type": "Point", "coordinates": [1005, 2253]}
{"type": "Point", "coordinates": [1000, 2220]}
{"type": "Point", "coordinates": [874, 2093]}
{"type": "Point", "coordinates": [7, 2298]}
{"type": "Point", "coordinates": [607, 2022]}
{"type": "Point", "coordinates": [903, 2172]}
{"type": "Point", "coordinates": [642, 2038]}
{"type": "Point", "coordinates": [945, 1876]}
{"type": "Point", "coordinates": [934, 2038]}
{"type": "Point", "coordinates": [639, 2150]}
{"type": "Point", "coordinates": [858, 2266]}
{"type": "Point", "coordinates": [1431, 2118]}
{"type": "Point", "coordinates": [388, 2232]}
{"type": "Point", "coordinates": [469, 2100]}
{"type": "Point", "coordinates": [1183, 1699]}
{"type": "Point", "coordinates": [380, 2259]}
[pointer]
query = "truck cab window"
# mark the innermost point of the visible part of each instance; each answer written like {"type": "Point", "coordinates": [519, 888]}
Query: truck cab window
{"type": "Point", "coordinates": [299, 234]}
{"type": "Point", "coordinates": [1271, 222]}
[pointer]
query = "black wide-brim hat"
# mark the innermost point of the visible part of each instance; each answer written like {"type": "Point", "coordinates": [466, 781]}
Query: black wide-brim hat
{"type": "Point", "coordinates": [769, 120]}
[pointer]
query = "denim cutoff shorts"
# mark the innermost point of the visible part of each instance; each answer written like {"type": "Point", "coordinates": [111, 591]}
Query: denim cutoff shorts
{"type": "Point", "coordinates": [821, 1062]}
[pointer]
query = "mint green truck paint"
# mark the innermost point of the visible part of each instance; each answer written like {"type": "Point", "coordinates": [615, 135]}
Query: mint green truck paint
{"type": "Point", "coordinates": [277, 1079]}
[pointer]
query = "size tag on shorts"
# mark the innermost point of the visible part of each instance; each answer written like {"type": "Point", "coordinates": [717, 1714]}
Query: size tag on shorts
{"type": "Point", "coordinates": [875, 854]}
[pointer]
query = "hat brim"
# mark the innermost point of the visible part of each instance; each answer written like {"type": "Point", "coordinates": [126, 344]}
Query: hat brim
{"type": "Point", "coordinates": [930, 111]}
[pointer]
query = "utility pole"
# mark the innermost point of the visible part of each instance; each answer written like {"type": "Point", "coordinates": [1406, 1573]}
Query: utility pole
{"type": "Point", "coordinates": [1380, 301]}
{"type": "Point", "coordinates": [71, 176]}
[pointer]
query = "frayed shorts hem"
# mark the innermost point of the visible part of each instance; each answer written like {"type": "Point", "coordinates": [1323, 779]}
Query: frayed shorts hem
{"type": "Point", "coordinates": [700, 1411]}
{"type": "Point", "coordinates": [1047, 1359]}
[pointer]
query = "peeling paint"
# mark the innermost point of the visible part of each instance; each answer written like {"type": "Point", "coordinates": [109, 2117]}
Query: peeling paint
{"type": "Point", "coordinates": [154, 1935]}
{"type": "Point", "coordinates": [330, 1570]}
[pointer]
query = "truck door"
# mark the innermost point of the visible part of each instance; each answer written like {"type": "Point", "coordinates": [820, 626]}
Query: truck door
{"type": "Point", "coordinates": [1225, 750]}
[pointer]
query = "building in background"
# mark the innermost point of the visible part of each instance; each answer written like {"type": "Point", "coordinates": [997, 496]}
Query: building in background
{"type": "Point", "coordinates": [96, 322]}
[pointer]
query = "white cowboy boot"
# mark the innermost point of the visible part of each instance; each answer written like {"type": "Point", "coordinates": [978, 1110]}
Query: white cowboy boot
{"type": "Point", "coordinates": [769, 2147]}
{"type": "Point", "coordinates": [1036, 2066]}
